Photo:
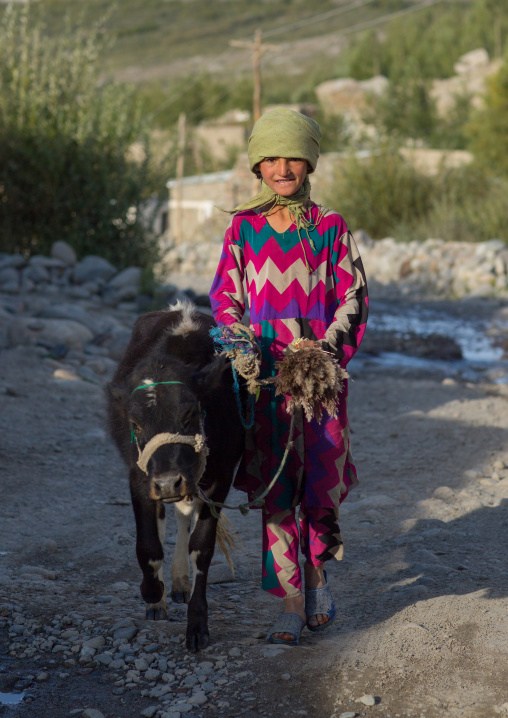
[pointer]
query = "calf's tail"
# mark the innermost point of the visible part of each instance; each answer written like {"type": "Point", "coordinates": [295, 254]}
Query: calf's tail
{"type": "Point", "coordinates": [228, 539]}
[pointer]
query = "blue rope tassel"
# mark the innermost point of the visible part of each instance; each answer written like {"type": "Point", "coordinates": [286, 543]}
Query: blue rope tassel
{"type": "Point", "coordinates": [231, 343]}
{"type": "Point", "coordinates": [247, 423]}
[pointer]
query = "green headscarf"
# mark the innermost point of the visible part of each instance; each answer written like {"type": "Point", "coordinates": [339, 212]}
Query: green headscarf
{"type": "Point", "coordinates": [285, 133]}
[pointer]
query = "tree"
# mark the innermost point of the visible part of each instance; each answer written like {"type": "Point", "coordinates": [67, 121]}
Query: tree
{"type": "Point", "coordinates": [65, 168]}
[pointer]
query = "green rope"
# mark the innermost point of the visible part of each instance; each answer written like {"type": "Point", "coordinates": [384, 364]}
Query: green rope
{"type": "Point", "coordinates": [258, 501]}
{"type": "Point", "coordinates": [144, 386]}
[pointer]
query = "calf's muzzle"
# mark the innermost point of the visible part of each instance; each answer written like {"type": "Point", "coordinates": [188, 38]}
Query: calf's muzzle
{"type": "Point", "coordinates": [172, 486]}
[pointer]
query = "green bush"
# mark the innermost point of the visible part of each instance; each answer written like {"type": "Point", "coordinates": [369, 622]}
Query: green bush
{"type": "Point", "coordinates": [65, 168]}
{"type": "Point", "coordinates": [379, 192]}
{"type": "Point", "coordinates": [387, 196]}
{"type": "Point", "coordinates": [487, 131]}
{"type": "Point", "coordinates": [469, 205]}
{"type": "Point", "coordinates": [406, 110]}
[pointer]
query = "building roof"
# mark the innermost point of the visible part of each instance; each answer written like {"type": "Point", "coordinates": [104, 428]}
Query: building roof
{"type": "Point", "coordinates": [208, 178]}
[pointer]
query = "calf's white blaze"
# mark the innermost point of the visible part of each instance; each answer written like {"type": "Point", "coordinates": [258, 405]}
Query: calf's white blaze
{"type": "Point", "coordinates": [194, 555]}
{"type": "Point", "coordinates": [150, 392]}
{"type": "Point", "coordinates": [180, 567]}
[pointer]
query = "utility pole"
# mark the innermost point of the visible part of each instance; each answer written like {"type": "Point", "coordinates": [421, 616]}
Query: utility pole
{"type": "Point", "coordinates": [257, 50]}
{"type": "Point", "coordinates": [179, 176]}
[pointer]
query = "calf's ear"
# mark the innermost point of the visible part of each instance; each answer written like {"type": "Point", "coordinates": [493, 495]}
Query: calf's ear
{"type": "Point", "coordinates": [209, 377]}
{"type": "Point", "coordinates": [116, 393]}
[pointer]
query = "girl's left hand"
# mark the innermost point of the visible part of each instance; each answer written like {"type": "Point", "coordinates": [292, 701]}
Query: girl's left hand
{"type": "Point", "coordinates": [306, 343]}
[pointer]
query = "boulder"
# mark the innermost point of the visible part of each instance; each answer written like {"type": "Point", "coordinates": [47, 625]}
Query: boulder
{"type": "Point", "coordinates": [8, 275]}
{"type": "Point", "coordinates": [36, 273]}
{"type": "Point", "coordinates": [48, 332]}
{"type": "Point", "coordinates": [74, 312]}
{"type": "Point", "coordinates": [64, 252]}
{"type": "Point", "coordinates": [92, 268]}
{"type": "Point", "coordinates": [130, 277]}
{"type": "Point", "coordinates": [39, 260]}
{"type": "Point", "coordinates": [471, 61]}
{"type": "Point", "coordinates": [472, 71]}
{"type": "Point", "coordinates": [78, 292]}
{"type": "Point", "coordinates": [349, 96]}
{"type": "Point", "coordinates": [430, 346]}
{"type": "Point", "coordinates": [12, 260]}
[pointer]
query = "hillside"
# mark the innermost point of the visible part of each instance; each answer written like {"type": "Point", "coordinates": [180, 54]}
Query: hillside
{"type": "Point", "coordinates": [155, 39]}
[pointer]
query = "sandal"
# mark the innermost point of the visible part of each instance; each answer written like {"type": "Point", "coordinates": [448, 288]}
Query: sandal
{"type": "Point", "coordinates": [319, 601]}
{"type": "Point", "coordinates": [287, 623]}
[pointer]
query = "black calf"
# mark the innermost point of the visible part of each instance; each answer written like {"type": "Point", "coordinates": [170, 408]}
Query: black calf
{"type": "Point", "coordinates": [169, 387]}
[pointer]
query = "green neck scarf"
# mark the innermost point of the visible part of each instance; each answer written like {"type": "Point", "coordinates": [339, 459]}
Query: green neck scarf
{"type": "Point", "coordinates": [298, 205]}
{"type": "Point", "coordinates": [268, 199]}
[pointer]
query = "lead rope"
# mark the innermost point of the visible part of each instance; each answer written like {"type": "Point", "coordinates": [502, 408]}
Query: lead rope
{"type": "Point", "coordinates": [259, 500]}
{"type": "Point", "coordinates": [238, 342]}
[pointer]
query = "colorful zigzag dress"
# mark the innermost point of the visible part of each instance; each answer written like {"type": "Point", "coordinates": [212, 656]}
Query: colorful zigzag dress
{"type": "Point", "coordinates": [287, 300]}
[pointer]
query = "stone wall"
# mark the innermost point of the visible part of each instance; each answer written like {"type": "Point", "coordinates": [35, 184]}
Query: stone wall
{"type": "Point", "coordinates": [436, 267]}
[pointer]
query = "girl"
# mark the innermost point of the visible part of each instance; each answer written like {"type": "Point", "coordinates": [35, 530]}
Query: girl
{"type": "Point", "coordinates": [304, 280]}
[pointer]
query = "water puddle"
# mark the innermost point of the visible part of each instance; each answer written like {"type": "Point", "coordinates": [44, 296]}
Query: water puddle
{"type": "Point", "coordinates": [10, 699]}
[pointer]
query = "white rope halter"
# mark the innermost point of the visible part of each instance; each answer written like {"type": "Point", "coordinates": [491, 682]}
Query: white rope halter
{"type": "Point", "coordinates": [198, 441]}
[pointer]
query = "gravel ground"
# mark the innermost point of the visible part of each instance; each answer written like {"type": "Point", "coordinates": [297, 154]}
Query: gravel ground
{"type": "Point", "coordinates": [422, 593]}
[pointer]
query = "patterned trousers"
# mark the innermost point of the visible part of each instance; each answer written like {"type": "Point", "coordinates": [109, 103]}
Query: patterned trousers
{"type": "Point", "coordinates": [316, 532]}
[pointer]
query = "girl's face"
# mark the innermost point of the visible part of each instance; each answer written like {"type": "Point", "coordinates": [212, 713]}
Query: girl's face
{"type": "Point", "coordinates": [283, 175]}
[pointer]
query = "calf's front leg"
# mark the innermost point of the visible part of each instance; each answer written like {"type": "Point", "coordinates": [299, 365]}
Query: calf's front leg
{"type": "Point", "coordinates": [150, 518]}
{"type": "Point", "coordinates": [201, 548]}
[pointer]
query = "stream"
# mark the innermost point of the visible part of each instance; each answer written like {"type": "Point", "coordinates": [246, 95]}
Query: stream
{"type": "Point", "coordinates": [474, 326]}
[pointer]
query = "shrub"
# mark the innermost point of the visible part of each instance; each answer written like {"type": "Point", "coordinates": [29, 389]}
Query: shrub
{"type": "Point", "coordinates": [380, 192]}
{"type": "Point", "coordinates": [488, 129]}
{"type": "Point", "coordinates": [65, 169]}
{"type": "Point", "coordinates": [386, 196]}
{"type": "Point", "coordinates": [469, 205]}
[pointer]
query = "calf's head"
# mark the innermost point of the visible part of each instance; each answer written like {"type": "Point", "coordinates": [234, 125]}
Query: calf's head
{"type": "Point", "coordinates": [167, 427]}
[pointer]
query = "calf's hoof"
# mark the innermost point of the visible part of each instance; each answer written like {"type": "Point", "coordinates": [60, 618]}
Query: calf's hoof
{"type": "Point", "coordinates": [180, 596]}
{"type": "Point", "coordinates": [156, 612]}
{"type": "Point", "coordinates": [197, 640]}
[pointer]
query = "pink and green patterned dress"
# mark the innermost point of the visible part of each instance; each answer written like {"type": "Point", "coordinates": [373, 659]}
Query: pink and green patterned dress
{"type": "Point", "coordinates": [287, 302]}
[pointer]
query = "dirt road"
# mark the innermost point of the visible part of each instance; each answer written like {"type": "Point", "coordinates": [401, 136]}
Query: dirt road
{"type": "Point", "coordinates": [422, 623]}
